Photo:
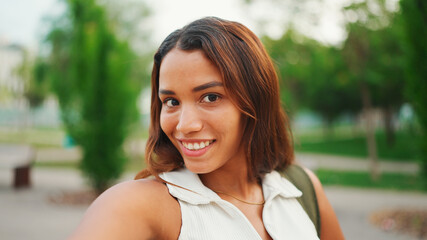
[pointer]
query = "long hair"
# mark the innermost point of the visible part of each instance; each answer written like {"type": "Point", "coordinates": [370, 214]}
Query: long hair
{"type": "Point", "coordinates": [250, 80]}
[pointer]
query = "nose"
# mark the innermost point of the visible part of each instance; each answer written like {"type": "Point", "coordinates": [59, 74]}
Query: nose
{"type": "Point", "coordinates": [189, 120]}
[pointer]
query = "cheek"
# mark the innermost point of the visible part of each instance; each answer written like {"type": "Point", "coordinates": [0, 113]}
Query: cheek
{"type": "Point", "coordinates": [165, 123]}
{"type": "Point", "coordinates": [232, 122]}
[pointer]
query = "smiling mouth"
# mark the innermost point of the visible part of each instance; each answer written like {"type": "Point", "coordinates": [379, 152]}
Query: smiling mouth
{"type": "Point", "coordinates": [197, 145]}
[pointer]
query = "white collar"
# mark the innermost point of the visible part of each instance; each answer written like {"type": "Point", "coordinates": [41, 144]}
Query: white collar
{"type": "Point", "coordinates": [192, 190]}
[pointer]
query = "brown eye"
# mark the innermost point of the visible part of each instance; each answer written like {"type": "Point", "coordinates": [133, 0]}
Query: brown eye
{"type": "Point", "coordinates": [171, 102]}
{"type": "Point", "coordinates": [210, 98]}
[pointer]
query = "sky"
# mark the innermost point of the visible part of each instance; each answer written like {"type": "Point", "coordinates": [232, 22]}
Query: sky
{"type": "Point", "coordinates": [21, 21]}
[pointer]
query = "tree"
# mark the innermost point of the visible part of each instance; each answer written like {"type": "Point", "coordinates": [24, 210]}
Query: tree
{"type": "Point", "coordinates": [386, 68]}
{"type": "Point", "coordinates": [313, 76]}
{"type": "Point", "coordinates": [373, 56]}
{"type": "Point", "coordinates": [329, 91]}
{"type": "Point", "coordinates": [91, 71]}
{"type": "Point", "coordinates": [414, 14]}
{"type": "Point", "coordinates": [291, 59]}
{"type": "Point", "coordinates": [356, 53]}
{"type": "Point", "coordinates": [36, 84]}
{"type": "Point", "coordinates": [275, 17]}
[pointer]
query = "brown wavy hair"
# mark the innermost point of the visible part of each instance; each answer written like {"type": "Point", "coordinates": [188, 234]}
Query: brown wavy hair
{"type": "Point", "coordinates": [250, 80]}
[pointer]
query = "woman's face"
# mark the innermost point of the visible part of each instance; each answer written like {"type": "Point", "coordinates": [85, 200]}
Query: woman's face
{"type": "Point", "coordinates": [197, 115]}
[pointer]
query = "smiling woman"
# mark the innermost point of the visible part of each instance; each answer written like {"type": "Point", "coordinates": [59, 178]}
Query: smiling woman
{"type": "Point", "coordinates": [196, 110]}
{"type": "Point", "coordinates": [218, 140]}
{"type": "Point", "coordinates": [238, 60]}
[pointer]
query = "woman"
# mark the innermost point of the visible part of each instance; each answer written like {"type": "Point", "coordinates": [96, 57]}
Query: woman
{"type": "Point", "coordinates": [218, 138]}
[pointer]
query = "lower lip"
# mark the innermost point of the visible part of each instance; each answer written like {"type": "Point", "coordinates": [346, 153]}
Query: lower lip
{"type": "Point", "coordinates": [194, 153]}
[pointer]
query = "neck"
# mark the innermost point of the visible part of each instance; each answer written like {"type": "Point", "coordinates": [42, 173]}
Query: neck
{"type": "Point", "coordinates": [232, 180]}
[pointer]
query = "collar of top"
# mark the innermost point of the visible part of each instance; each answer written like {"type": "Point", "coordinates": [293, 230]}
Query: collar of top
{"type": "Point", "coordinates": [188, 187]}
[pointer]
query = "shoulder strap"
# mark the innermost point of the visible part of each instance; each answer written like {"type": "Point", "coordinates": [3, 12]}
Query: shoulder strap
{"type": "Point", "coordinates": [297, 176]}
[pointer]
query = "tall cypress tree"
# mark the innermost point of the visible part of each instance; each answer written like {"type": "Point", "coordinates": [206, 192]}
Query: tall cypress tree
{"type": "Point", "coordinates": [91, 73]}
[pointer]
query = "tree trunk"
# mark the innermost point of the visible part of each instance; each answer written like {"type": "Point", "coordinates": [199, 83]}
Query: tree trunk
{"type": "Point", "coordinates": [388, 125]}
{"type": "Point", "coordinates": [328, 129]}
{"type": "Point", "coordinates": [370, 132]}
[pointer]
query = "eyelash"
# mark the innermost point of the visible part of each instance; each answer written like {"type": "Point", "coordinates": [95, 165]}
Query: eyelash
{"type": "Point", "coordinates": [169, 100]}
{"type": "Point", "coordinates": [218, 97]}
{"type": "Point", "coordinates": [165, 102]}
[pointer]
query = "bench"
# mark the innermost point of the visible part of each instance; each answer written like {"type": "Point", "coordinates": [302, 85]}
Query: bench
{"type": "Point", "coordinates": [19, 158]}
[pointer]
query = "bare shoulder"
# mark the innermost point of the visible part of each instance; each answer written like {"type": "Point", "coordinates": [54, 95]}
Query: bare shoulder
{"type": "Point", "coordinates": [139, 209]}
{"type": "Point", "coordinates": [329, 225]}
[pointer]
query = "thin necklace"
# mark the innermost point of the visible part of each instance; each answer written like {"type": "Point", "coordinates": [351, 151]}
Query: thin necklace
{"type": "Point", "coordinates": [241, 200]}
{"type": "Point", "coordinates": [238, 199]}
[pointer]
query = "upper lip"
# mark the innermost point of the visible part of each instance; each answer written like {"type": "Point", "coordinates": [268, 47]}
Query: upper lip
{"type": "Point", "coordinates": [194, 140]}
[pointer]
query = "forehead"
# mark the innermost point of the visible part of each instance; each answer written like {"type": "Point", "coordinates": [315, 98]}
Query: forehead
{"type": "Point", "coordinates": [187, 67]}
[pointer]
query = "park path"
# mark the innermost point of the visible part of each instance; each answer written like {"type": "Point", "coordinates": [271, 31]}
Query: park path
{"type": "Point", "coordinates": [27, 213]}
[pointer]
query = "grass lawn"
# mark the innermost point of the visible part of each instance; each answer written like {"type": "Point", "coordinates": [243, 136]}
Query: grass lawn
{"type": "Point", "coordinates": [404, 147]}
{"type": "Point", "coordinates": [395, 181]}
{"type": "Point", "coordinates": [37, 137]}
{"type": "Point", "coordinates": [50, 137]}
{"type": "Point", "coordinates": [392, 181]}
{"type": "Point", "coordinates": [57, 164]}
{"type": "Point", "coordinates": [133, 165]}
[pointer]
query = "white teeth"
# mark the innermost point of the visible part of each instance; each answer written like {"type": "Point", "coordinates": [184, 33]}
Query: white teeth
{"type": "Point", "coordinates": [196, 146]}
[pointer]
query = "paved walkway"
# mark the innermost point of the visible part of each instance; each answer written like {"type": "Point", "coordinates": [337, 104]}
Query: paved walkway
{"type": "Point", "coordinates": [354, 207]}
{"type": "Point", "coordinates": [27, 213]}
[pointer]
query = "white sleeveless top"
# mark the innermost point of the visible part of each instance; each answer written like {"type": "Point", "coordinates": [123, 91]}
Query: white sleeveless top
{"type": "Point", "coordinates": [206, 216]}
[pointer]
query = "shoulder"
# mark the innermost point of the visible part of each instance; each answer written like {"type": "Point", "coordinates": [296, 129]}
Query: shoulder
{"type": "Point", "coordinates": [139, 209]}
{"type": "Point", "coordinates": [314, 179]}
{"type": "Point", "coordinates": [329, 227]}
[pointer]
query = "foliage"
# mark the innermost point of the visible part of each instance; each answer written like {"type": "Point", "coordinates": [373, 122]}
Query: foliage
{"type": "Point", "coordinates": [414, 13]}
{"type": "Point", "coordinates": [313, 76]}
{"type": "Point", "coordinates": [375, 62]}
{"type": "Point", "coordinates": [368, 61]}
{"type": "Point", "coordinates": [355, 146]}
{"type": "Point", "coordinates": [395, 181]}
{"type": "Point", "coordinates": [91, 71]}
{"type": "Point", "coordinates": [36, 84]}
{"type": "Point", "coordinates": [365, 73]}
{"type": "Point", "coordinates": [328, 89]}
{"type": "Point", "coordinates": [291, 60]}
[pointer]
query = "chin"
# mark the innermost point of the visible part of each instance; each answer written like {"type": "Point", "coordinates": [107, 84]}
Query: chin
{"type": "Point", "coordinates": [198, 168]}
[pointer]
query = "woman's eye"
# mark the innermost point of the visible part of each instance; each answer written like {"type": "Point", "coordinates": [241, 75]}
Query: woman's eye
{"type": "Point", "coordinates": [171, 102]}
{"type": "Point", "coordinates": [210, 98]}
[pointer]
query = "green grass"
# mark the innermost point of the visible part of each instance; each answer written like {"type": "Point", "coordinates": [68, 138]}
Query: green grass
{"type": "Point", "coordinates": [394, 181]}
{"type": "Point", "coordinates": [51, 137]}
{"type": "Point", "coordinates": [404, 147]}
{"type": "Point", "coordinates": [37, 137]}
{"type": "Point", "coordinates": [133, 165]}
{"type": "Point", "coordinates": [57, 164]}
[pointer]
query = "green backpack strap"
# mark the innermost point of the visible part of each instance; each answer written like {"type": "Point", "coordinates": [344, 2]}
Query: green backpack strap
{"type": "Point", "coordinates": [297, 176]}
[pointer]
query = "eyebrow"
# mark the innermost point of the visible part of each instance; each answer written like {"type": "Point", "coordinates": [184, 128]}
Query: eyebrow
{"type": "Point", "coordinates": [196, 89]}
{"type": "Point", "coordinates": [206, 85]}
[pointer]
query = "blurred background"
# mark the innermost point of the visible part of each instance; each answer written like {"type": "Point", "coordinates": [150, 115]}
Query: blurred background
{"type": "Point", "coordinates": [75, 99]}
